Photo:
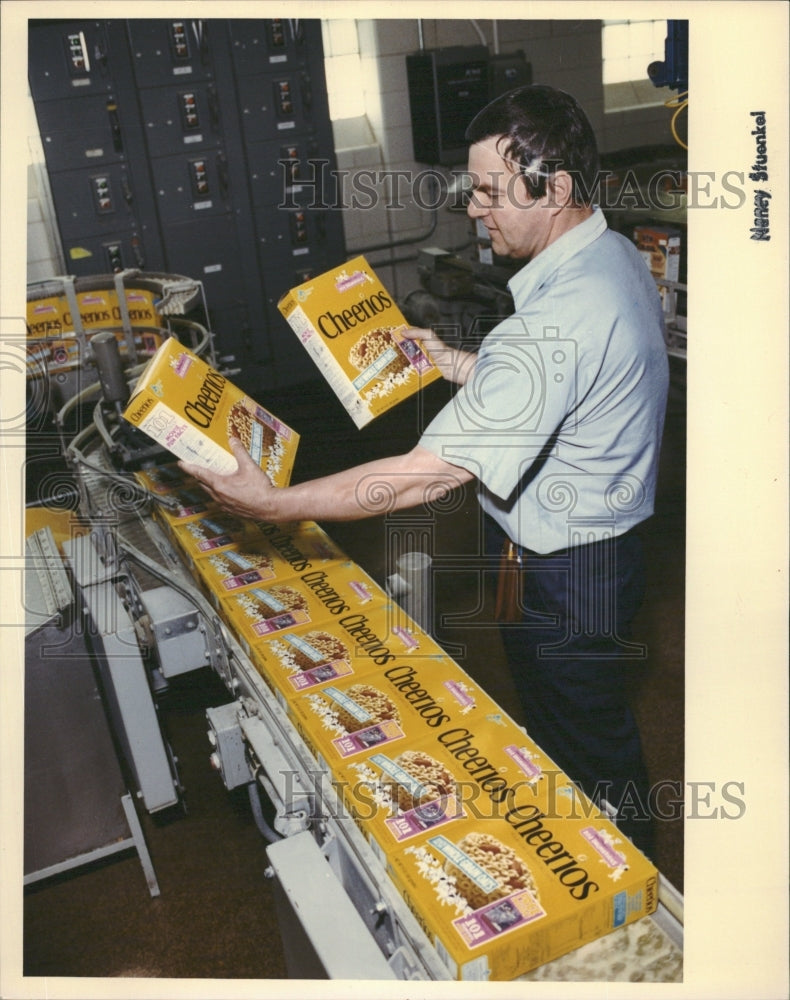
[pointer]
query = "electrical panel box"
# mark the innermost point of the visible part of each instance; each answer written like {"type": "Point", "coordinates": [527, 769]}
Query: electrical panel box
{"type": "Point", "coordinates": [200, 147]}
{"type": "Point", "coordinates": [447, 87]}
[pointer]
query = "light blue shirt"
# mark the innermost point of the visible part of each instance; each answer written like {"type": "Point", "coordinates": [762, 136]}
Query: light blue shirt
{"type": "Point", "coordinates": [562, 418]}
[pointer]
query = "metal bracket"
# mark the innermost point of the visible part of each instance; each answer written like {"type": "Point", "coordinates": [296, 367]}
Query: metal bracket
{"type": "Point", "coordinates": [284, 785]}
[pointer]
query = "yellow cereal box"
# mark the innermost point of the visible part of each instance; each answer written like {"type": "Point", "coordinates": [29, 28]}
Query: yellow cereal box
{"type": "Point", "coordinates": [501, 896]}
{"type": "Point", "coordinates": [303, 659]}
{"type": "Point", "coordinates": [354, 643]}
{"type": "Point", "coordinates": [428, 694]}
{"type": "Point", "coordinates": [344, 720]}
{"type": "Point", "coordinates": [348, 322]}
{"type": "Point", "coordinates": [192, 410]}
{"type": "Point", "coordinates": [51, 323]}
{"type": "Point", "coordinates": [163, 479]}
{"type": "Point", "coordinates": [396, 794]}
{"type": "Point", "coordinates": [317, 595]}
{"type": "Point", "coordinates": [209, 532]}
{"type": "Point", "coordinates": [187, 503]}
{"type": "Point", "coordinates": [266, 557]}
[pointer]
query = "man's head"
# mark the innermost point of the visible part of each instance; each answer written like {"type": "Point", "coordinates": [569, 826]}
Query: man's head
{"type": "Point", "coordinates": [532, 161]}
{"type": "Point", "coordinates": [541, 130]}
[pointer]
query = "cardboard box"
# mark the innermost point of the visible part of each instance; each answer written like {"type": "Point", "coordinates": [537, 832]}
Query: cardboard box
{"type": "Point", "coordinates": [345, 720]}
{"type": "Point", "coordinates": [397, 793]}
{"type": "Point", "coordinates": [499, 897]}
{"type": "Point", "coordinates": [660, 250]}
{"type": "Point", "coordinates": [50, 317]}
{"type": "Point", "coordinates": [208, 533]}
{"type": "Point", "coordinates": [358, 642]}
{"type": "Point", "coordinates": [423, 696]}
{"type": "Point", "coordinates": [163, 479]}
{"type": "Point", "coordinates": [192, 410]}
{"type": "Point", "coordinates": [315, 596]}
{"type": "Point", "coordinates": [348, 323]}
{"type": "Point", "coordinates": [263, 557]}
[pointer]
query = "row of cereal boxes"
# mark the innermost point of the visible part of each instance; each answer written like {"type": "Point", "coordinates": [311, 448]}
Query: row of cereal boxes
{"type": "Point", "coordinates": [504, 862]}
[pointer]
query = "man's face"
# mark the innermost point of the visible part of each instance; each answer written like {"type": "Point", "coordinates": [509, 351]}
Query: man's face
{"type": "Point", "coordinates": [518, 225]}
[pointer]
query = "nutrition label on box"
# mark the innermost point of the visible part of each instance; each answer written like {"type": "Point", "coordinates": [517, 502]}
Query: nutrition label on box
{"type": "Point", "coordinates": [177, 435]}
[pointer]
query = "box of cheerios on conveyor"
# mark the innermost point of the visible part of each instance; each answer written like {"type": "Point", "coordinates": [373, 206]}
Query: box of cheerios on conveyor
{"type": "Point", "coordinates": [501, 896]}
{"type": "Point", "coordinates": [266, 554]}
{"type": "Point", "coordinates": [163, 479]}
{"type": "Point", "coordinates": [414, 697]}
{"type": "Point", "coordinates": [192, 410]}
{"type": "Point", "coordinates": [355, 642]}
{"type": "Point", "coordinates": [177, 498]}
{"type": "Point", "coordinates": [348, 323]}
{"type": "Point", "coordinates": [456, 744]}
{"type": "Point", "coordinates": [314, 596]}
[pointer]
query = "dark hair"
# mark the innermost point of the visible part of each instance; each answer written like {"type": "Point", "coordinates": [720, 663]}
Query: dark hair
{"type": "Point", "coordinates": [543, 129]}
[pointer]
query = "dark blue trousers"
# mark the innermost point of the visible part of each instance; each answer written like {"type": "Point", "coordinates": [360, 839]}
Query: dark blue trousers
{"type": "Point", "coordinates": [571, 655]}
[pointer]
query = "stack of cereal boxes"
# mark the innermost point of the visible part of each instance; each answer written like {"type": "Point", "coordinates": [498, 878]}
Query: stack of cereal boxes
{"type": "Point", "coordinates": [504, 862]}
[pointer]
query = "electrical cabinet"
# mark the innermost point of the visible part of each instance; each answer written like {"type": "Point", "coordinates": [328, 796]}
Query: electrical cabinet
{"type": "Point", "coordinates": [196, 147]}
{"type": "Point", "coordinates": [447, 87]}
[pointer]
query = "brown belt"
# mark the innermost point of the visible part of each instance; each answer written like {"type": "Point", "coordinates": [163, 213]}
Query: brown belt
{"type": "Point", "coordinates": [508, 592]}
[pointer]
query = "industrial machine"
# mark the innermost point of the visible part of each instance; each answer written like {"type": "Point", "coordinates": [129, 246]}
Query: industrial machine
{"type": "Point", "coordinates": [200, 147]}
{"type": "Point", "coordinates": [108, 582]}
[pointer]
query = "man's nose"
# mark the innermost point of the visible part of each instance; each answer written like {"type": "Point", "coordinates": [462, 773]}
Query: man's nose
{"type": "Point", "coordinates": [473, 207]}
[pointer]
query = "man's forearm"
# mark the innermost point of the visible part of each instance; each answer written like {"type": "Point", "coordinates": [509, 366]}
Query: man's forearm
{"type": "Point", "coordinates": [375, 488]}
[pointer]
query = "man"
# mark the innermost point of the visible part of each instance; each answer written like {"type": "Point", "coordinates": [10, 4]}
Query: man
{"type": "Point", "coordinates": [559, 418]}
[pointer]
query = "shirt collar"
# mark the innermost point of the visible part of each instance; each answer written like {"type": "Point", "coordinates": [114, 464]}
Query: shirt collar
{"type": "Point", "coordinates": [526, 281]}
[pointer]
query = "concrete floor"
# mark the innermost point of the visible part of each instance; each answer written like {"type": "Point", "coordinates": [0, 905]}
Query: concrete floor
{"type": "Point", "coordinates": [215, 915]}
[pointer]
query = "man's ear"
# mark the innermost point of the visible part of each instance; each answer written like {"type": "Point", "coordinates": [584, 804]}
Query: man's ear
{"type": "Point", "coordinates": [559, 190]}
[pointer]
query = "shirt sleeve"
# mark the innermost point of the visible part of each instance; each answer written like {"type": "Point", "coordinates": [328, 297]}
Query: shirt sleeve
{"type": "Point", "coordinates": [502, 419]}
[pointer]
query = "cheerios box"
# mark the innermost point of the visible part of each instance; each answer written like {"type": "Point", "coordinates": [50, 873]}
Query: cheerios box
{"type": "Point", "coordinates": [354, 643]}
{"type": "Point", "coordinates": [177, 498]}
{"type": "Point", "coordinates": [396, 794]}
{"type": "Point", "coordinates": [192, 410]}
{"type": "Point", "coordinates": [266, 556]}
{"type": "Point", "coordinates": [349, 324]}
{"type": "Point", "coordinates": [319, 594]}
{"type": "Point", "coordinates": [408, 697]}
{"type": "Point", "coordinates": [184, 504]}
{"type": "Point", "coordinates": [209, 532]}
{"type": "Point", "coordinates": [499, 897]}
{"type": "Point", "coordinates": [440, 774]}
{"type": "Point", "coordinates": [163, 479]}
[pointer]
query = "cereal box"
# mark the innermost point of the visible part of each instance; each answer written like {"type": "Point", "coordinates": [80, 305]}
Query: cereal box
{"type": "Point", "coordinates": [50, 319]}
{"type": "Point", "coordinates": [209, 532]}
{"type": "Point", "coordinates": [660, 250]}
{"type": "Point", "coordinates": [317, 595]}
{"type": "Point", "coordinates": [265, 556]}
{"type": "Point", "coordinates": [187, 503]}
{"type": "Point", "coordinates": [348, 322]}
{"type": "Point", "coordinates": [396, 794]}
{"type": "Point", "coordinates": [428, 694]}
{"type": "Point", "coordinates": [163, 478]}
{"type": "Point", "coordinates": [192, 410]}
{"type": "Point", "coordinates": [499, 897]}
{"type": "Point", "coordinates": [344, 720]}
{"type": "Point", "coordinates": [355, 643]}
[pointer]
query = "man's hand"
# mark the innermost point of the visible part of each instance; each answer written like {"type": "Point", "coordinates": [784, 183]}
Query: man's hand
{"type": "Point", "coordinates": [247, 492]}
{"type": "Point", "coordinates": [454, 364]}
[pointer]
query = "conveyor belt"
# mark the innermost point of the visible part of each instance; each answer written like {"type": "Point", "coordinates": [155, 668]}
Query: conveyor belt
{"type": "Point", "coordinates": [650, 950]}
